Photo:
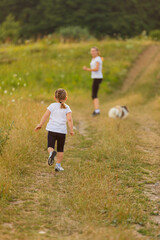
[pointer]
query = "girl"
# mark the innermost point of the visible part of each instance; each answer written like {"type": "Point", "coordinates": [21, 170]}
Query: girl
{"type": "Point", "coordinates": [97, 76]}
{"type": "Point", "coordinates": [59, 113]}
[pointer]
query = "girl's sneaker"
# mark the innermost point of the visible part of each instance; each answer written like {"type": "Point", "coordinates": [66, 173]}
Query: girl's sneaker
{"type": "Point", "coordinates": [51, 158]}
{"type": "Point", "coordinates": [95, 113]}
{"type": "Point", "coordinates": [58, 169]}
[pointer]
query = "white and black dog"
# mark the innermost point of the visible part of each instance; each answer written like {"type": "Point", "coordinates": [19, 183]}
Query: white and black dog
{"type": "Point", "coordinates": [118, 112]}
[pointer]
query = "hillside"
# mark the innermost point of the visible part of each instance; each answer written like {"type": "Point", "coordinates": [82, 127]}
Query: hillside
{"type": "Point", "coordinates": [110, 188]}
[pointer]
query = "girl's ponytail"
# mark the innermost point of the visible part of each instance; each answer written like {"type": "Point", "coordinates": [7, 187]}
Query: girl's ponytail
{"type": "Point", "coordinates": [60, 95]}
{"type": "Point", "coordinates": [63, 105]}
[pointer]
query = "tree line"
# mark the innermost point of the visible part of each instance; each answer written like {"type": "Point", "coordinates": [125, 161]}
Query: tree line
{"type": "Point", "coordinates": [126, 18]}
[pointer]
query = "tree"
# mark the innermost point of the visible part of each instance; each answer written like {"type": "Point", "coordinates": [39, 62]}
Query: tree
{"type": "Point", "coordinates": [10, 29]}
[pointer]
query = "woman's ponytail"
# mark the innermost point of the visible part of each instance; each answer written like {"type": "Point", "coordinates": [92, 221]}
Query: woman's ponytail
{"type": "Point", "coordinates": [98, 52]}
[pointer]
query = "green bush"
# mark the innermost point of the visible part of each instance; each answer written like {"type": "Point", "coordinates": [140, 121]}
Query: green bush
{"type": "Point", "coordinates": [9, 30]}
{"type": "Point", "coordinates": [74, 34]}
{"type": "Point", "coordinates": [155, 35]}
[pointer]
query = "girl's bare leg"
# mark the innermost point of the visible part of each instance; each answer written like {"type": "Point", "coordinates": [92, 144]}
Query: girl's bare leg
{"type": "Point", "coordinates": [60, 157]}
{"type": "Point", "coordinates": [96, 103]}
{"type": "Point", "coordinates": [50, 149]}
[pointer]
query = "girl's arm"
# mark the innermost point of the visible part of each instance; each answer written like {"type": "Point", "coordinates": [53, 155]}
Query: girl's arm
{"type": "Point", "coordinates": [70, 123]}
{"type": "Point", "coordinates": [92, 69]}
{"type": "Point", "coordinates": [44, 118]}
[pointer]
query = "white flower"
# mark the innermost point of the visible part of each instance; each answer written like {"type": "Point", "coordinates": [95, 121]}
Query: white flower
{"type": "Point", "coordinates": [42, 102]}
{"type": "Point", "coordinates": [42, 232]}
{"type": "Point", "coordinates": [11, 93]}
{"type": "Point", "coordinates": [18, 83]}
{"type": "Point", "coordinates": [30, 95]}
{"type": "Point", "coordinates": [13, 89]}
{"type": "Point", "coordinates": [24, 84]}
{"type": "Point", "coordinates": [14, 75]}
{"type": "Point", "coordinates": [13, 100]}
{"type": "Point", "coordinates": [5, 91]}
{"type": "Point", "coordinates": [20, 79]}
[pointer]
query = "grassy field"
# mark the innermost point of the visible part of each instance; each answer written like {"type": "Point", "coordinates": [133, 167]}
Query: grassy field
{"type": "Point", "coordinates": [102, 192]}
{"type": "Point", "coordinates": [44, 67]}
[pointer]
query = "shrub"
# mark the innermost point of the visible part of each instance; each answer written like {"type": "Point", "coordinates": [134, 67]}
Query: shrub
{"type": "Point", "coordinates": [155, 35]}
{"type": "Point", "coordinates": [9, 30]}
{"type": "Point", "coordinates": [74, 34]}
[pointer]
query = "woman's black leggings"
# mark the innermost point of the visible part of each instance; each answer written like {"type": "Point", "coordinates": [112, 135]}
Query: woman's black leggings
{"type": "Point", "coordinates": [59, 137]}
{"type": "Point", "coordinates": [95, 87]}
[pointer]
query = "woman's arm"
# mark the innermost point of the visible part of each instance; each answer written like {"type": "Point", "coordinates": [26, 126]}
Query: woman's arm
{"type": "Point", "coordinates": [70, 123]}
{"type": "Point", "coordinates": [44, 118]}
{"type": "Point", "coordinates": [92, 69]}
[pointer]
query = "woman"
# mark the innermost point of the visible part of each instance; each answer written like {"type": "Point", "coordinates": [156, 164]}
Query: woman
{"type": "Point", "coordinates": [97, 76]}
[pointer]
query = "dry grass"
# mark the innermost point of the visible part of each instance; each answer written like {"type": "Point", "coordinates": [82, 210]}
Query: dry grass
{"type": "Point", "coordinates": [100, 186]}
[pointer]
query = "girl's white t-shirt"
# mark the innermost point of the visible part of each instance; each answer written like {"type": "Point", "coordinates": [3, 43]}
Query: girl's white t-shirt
{"type": "Point", "coordinates": [58, 118]}
{"type": "Point", "coordinates": [98, 74]}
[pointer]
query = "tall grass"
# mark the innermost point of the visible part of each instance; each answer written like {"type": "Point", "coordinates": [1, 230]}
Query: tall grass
{"type": "Point", "coordinates": [100, 185]}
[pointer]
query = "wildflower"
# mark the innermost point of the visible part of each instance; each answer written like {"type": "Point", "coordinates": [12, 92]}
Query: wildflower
{"type": "Point", "coordinates": [42, 102]}
{"type": "Point", "coordinates": [42, 232]}
{"type": "Point", "coordinates": [13, 100]}
{"type": "Point", "coordinates": [15, 75]}
{"type": "Point", "coordinates": [13, 89]}
{"type": "Point", "coordinates": [20, 79]}
{"type": "Point", "coordinates": [24, 84]}
{"type": "Point", "coordinates": [5, 91]}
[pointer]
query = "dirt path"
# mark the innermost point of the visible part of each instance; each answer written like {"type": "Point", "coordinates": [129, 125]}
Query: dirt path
{"type": "Point", "coordinates": [148, 131]}
{"type": "Point", "coordinates": [149, 139]}
{"type": "Point", "coordinates": [140, 66]}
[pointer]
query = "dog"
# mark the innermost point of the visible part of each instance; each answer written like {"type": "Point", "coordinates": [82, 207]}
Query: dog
{"type": "Point", "coordinates": [118, 112]}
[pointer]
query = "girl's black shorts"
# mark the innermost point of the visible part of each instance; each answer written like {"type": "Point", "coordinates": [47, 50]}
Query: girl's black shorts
{"type": "Point", "coordinates": [59, 137]}
{"type": "Point", "coordinates": [95, 87]}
